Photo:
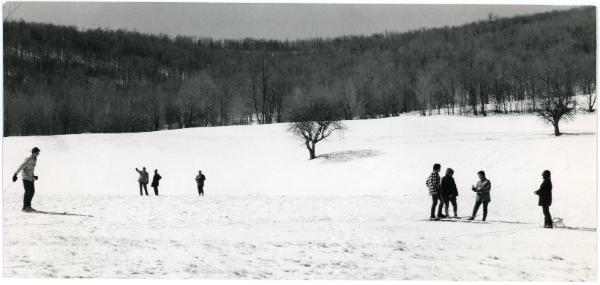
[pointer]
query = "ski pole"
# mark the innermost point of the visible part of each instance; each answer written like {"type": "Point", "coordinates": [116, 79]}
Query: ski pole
{"type": "Point", "coordinates": [9, 186]}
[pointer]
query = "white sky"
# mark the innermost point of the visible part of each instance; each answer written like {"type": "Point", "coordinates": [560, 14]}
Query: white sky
{"type": "Point", "coordinates": [273, 21]}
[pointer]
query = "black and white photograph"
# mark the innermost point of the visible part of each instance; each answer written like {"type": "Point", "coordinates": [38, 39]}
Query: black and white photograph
{"type": "Point", "coordinates": [329, 141]}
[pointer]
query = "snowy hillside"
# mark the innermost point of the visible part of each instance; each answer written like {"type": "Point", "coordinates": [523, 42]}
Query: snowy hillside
{"type": "Point", "coordinates": [359, 206]}
{"type": "Point", "coordinates": [375, 157]}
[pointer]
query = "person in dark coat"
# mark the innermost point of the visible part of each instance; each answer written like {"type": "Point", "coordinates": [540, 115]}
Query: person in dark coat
{"type": "Point", "coordinates": [155, 180]}
{"type": "Point", "coordinates": [200, 182]}
{"type": "Point", "coordinates": [545, 198]}
{"type": "Point", "coordinates": [482, 188]}
{"type": "Point", "coordinates": [143, 180]}
{"type": "Point", "coordinates": [433, 184]}
{"type": "Point", "coordinates": [449, 191]}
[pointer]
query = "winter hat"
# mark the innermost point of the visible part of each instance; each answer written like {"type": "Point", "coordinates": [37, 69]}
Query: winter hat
{"type": "Point", "coordinates": [546, 174]}
{"type": "Point", "coordinates": [35, 150]}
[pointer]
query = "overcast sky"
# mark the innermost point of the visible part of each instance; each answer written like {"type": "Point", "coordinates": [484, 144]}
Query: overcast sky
{"type": "Point", "coordinates": [273, 21]}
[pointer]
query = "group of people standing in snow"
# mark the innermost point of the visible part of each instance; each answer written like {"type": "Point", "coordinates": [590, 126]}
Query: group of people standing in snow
{"type": "Point", "coordinates": [27, 170]}
{"type": "Point", "coordinates": [444, 192]}
{"type": "Point", "coordinates": [143, 181]}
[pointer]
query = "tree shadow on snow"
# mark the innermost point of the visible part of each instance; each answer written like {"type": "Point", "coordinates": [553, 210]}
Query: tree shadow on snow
{"type": "Point", "coordinates": [344, 156]}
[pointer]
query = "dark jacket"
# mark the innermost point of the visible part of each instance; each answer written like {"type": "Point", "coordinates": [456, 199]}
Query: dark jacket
{"type": "Point", "coordinates": [448, 187]}
{"type": "Point", "coordinates": [545, 193]}
{"type": "Point", "coordinates": [433, 183]}
{"type": "Point", "coordinates": [155, 180]}
{"type": "Point", "coordinates": [200, 179]}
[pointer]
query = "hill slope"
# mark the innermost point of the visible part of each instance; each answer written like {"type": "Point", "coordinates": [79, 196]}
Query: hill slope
{"type": "Point", "coordinates": [374, 157]}
{"type": "Point", "coordinates": [356, 212]}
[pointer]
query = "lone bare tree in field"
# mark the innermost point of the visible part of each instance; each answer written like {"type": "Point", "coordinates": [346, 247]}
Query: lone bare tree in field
{"type": "Point", "coordinates": [555, 108]}
{"type": "Point", "coordinates": [315, 123]}
{"type": "Point", "coordinates": [558, 73]}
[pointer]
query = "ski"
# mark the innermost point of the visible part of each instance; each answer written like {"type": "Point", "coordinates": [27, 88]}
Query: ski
{"type": "Point", "coordinates": [58, 213]}
{"type": "Point", "coordinates": [577, 229]}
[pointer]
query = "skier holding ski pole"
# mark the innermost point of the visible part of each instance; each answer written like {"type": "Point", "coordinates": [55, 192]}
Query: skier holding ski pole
{"type": "Point", "coordinates": [27, 168]}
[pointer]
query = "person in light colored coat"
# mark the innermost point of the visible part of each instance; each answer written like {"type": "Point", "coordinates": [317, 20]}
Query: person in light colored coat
{"type": "Point", "coordinates": [482, 189]}
{"type": "Point", "coordinates": [27, 172]}
{"type": "Point", "coordinates": [143, 180]}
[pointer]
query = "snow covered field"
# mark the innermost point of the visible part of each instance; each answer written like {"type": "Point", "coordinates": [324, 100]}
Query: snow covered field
{"type": "Point", "coordinates": [357, 212]}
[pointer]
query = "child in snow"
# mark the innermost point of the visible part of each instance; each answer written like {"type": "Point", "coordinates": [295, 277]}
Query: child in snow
{"type": "Point", "coordinates": [482, 188]}
{"type": "Point", "coordinates": [433, 184]}
{"type": "Point", "coordinates": [143, 180]}
{"type": "Point", "coordinates": [29, 177]}
{"type": "Point", "coordinates": [155, 180]}
{"type": "Point", "coordinates": [449, 191]}
{"type": "Point", "coordinates": [545, 198]}
{"type": "Point", "coordinates": [200, 182]}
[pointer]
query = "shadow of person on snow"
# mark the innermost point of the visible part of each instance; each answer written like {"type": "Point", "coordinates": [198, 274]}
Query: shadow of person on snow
{"type": "Point", "coordinates": [59, 213]}
{"type": "Point", "coordinates": [579, 134]}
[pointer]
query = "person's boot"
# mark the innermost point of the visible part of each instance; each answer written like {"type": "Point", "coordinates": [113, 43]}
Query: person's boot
{"type": "Point", "coordinates": [471, 218]}
{"type": "Point", "coordinates": [440, 215]}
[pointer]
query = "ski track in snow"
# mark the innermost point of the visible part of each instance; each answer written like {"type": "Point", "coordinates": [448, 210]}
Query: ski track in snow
{"type": "Point", "coordinates": [257, 237]}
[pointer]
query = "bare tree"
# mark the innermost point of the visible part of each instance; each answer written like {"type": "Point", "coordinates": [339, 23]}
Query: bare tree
{"type": "Point", "coordinates": [591, 101]}
{"type": "Point", "coordinates": [314, 124]}
{"type": "Point", "coordinates": [558, 73]}
{"type": "Point", "coordinates": [555, 108]}
{"type": "Point", "coordinates": [423, 89]}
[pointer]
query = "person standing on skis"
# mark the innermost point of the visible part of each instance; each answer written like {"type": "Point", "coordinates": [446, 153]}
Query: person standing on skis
{"type": "Point", "coordinates": [482, 189]}
{"type": "Point", "coordinates": [433, 184]}
{"type": "Point", "coordinates": [545, 198]}
{"type": "Point", "coordinates": [143, 180]}
{"type": "Point", "coordinates": [155, 180]}
{"type": "Point", "coordinates": [449, 191]}
{"type": "Point", "coordinates": [27, 168]}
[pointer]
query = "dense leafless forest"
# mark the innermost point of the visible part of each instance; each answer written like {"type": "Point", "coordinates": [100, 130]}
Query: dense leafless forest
{"type": "Point", "coordinates": [60, 80]}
